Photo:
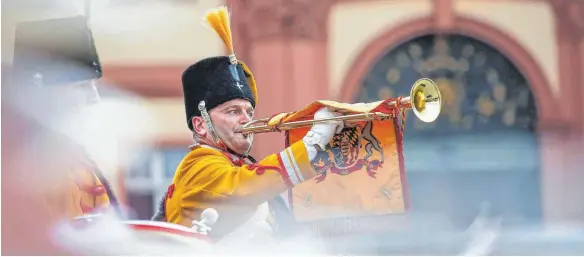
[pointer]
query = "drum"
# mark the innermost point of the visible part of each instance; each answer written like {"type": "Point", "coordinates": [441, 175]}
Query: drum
{"type": "Point", "coordinates": [101, 235]}
{"type": "Point", "coordinates": [167, 232]}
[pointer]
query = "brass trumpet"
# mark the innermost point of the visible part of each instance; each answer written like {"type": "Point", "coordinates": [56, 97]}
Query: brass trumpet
{"type": "Point", "coordinates": [424, 100]}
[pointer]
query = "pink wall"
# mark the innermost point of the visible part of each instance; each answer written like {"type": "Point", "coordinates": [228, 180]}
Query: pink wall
{"type": "Point", "coordinates": [287, 50]}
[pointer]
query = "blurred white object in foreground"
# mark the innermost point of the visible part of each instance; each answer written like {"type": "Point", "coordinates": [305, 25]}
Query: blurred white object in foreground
{"type": "Point", "coordinates": [106, 235]}
{"type": "Point", "coordinates": [208, 217]}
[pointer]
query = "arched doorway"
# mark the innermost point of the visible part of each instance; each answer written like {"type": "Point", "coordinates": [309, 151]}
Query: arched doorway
{"type": "Point", "coordinates": [483, 147]}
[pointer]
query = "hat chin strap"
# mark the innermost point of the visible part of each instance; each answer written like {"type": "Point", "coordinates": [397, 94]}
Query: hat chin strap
{"type": "Point", "coordinates": [211, 128]}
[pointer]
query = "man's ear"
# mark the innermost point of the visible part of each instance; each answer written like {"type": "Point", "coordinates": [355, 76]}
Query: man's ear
{"type": "Point", "coordinates": [199, 126]}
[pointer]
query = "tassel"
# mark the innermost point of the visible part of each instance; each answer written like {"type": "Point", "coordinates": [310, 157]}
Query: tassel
{"type": "Point", "coordinates": [160, 215]}
{"type": "Point", "coordinates": [251, 81]}
{"type": "Point", "coordinates": [218, 20]}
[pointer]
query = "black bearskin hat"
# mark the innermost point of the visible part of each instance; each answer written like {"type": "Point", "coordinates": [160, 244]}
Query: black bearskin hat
{"type": "Point", "coordinates": [55, 52]}
{"type": "Point", "coordinates": [214, 80]}
{"type": "Point", "coordinates": [218, 79]}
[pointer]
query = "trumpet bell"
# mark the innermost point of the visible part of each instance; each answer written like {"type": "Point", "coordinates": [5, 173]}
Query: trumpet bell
{"type": "Point", "coordinates": [426, 101]}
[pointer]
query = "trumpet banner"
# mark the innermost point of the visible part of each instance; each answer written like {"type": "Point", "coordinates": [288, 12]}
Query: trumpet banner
{"type": "Point", "coordinates": [361, 173]}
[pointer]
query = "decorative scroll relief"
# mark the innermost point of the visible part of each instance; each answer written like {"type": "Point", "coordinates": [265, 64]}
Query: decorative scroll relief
{"type": "Point", "coordinates": [285, 19]}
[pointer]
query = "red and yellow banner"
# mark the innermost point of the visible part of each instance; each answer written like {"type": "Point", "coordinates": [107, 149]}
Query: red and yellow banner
{"type": "Point", "coordinates": [362, 171]}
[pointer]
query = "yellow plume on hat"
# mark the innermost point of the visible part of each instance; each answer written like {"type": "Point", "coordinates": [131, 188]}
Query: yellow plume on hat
{"type": "Point", "coordinates": [218, 19]}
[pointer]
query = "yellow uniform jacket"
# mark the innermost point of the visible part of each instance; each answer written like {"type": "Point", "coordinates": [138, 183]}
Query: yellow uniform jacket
{"type": "Point", "coordinates": [82, 193]}
{"type": "Point", "coordinates": [210, 178]}
{"type": "Point", "coordinates": [55, 170]}
{"type": "Point", "coordinates": [79, 190]}
{"type": "Point", "coordinates": [69, 182]}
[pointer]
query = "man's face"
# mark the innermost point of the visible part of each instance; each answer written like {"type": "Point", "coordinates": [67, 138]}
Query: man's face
{"type": "Point", "coordinates": [73, 96]}
{"type": "Point", "coordinates": [230, 116]}
{"type": "Point", "coordinates": [82, 93]}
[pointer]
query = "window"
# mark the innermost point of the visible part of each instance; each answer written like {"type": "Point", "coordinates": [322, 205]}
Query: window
{"type": "Point", "coordinates": [148, 178]}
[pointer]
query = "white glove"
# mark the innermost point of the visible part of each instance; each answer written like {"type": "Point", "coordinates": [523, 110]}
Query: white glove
{"type": "Point", "coordinates": [321, 133]}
